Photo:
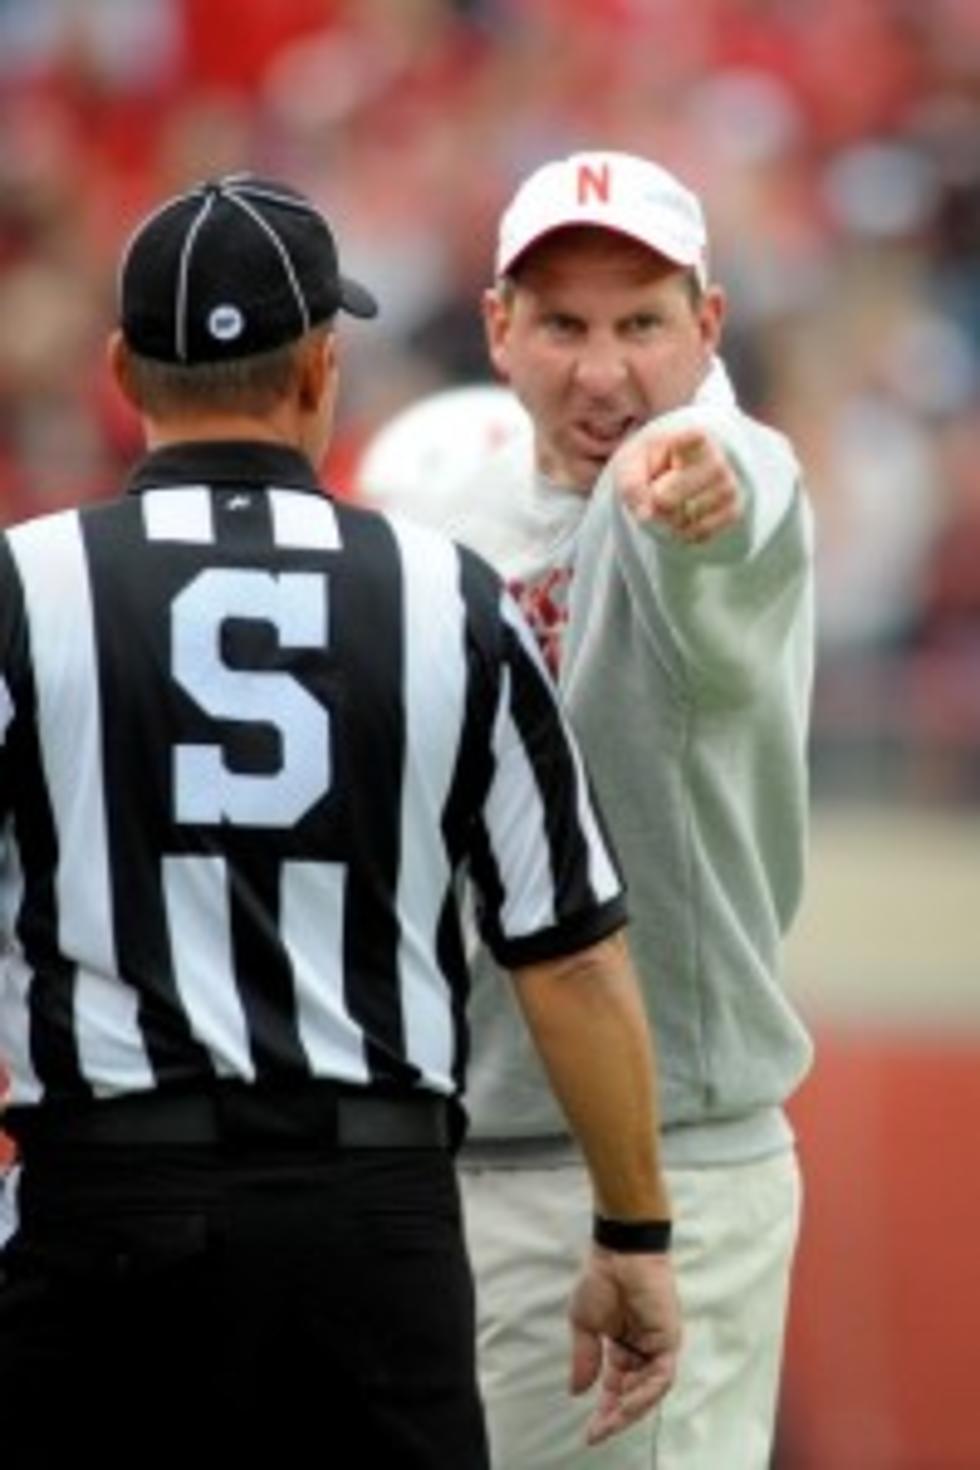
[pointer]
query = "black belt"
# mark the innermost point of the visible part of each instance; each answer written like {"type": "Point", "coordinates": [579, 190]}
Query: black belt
{"type": "Point", "coordinates": [230, 1113]}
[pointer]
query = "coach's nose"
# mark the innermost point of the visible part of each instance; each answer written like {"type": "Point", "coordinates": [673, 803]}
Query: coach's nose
{"type": "Point", "coordinates": [601, 367]}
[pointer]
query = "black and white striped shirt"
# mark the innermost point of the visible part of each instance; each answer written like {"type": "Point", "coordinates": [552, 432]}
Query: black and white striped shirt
{"type": "Point", "coordinates": [251, 740]}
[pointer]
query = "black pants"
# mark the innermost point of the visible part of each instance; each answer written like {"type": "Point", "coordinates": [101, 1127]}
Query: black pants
{"type": "Point", "coordinates": [180, 1307]}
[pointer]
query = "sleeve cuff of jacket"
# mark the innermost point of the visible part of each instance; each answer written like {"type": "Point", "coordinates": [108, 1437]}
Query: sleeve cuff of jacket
{"type": "Point", "coordinates": [574, 933]}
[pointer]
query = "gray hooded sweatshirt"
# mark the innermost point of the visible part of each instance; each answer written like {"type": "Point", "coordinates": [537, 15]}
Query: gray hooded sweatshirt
{"type": "Point", "coordinates": [687, 673]}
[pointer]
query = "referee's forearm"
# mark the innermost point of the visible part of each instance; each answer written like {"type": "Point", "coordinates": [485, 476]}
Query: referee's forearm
{"type": "Point", "coordinates": [588, 1022]}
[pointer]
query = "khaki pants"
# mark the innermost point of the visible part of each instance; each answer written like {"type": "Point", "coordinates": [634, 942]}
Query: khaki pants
{"type": "Point", "coordinates": [735, 1234]}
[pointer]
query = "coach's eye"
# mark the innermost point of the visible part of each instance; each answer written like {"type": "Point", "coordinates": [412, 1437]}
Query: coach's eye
{"type": "Point", "coordinates": [562, 326]}
{"type": "Point", "coordinates": [642, 323]}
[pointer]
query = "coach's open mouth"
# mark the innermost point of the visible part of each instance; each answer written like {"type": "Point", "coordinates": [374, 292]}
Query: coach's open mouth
{"type": "Point", "coordinates": [600, 437]}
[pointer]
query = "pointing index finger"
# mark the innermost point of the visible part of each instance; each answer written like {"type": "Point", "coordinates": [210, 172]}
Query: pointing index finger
{"type": "Point", "coordinates": [638, 466]}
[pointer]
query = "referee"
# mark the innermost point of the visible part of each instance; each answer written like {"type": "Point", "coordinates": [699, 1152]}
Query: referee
{"type": "Point", "coordinates": [251, 739]}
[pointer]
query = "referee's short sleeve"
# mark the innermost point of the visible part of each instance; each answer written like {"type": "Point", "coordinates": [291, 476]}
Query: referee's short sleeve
{"type": "Point", "coordinates": [548, 879]}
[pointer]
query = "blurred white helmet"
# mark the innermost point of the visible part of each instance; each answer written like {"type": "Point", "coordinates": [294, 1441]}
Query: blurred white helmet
{"type": "Point", "coordinates": [419, 460]}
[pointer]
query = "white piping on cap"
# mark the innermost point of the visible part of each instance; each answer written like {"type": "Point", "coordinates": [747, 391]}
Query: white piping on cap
{"type": "Point", "coordinates": [287, 264]}
{"type": "Point", "coordinates": [244, 184]}
{"type": "Point", "coordinates": [183, 270]}
{"type": "Point", "coordinates": [145, 225]}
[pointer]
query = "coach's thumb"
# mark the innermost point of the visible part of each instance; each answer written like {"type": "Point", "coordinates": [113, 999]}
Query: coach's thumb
{"type": "Point", "coordinates": [586, 1359]}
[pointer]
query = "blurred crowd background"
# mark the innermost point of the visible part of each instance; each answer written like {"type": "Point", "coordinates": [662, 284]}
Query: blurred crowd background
{"type": "Point", "coordinates": [836, 144]}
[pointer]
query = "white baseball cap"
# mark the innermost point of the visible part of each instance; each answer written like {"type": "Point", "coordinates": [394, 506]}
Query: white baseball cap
{"type": "Point", "coordinates": [615, 191]}
{"type": "Point", "coordinates": [419, 461]}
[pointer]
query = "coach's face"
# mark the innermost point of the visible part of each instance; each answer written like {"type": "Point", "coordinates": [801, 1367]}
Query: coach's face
{"type": "Point", "coordinates": [597, 334]}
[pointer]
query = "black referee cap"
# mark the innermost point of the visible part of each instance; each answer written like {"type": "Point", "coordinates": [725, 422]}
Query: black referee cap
{"type": "Point", "coordinates": [233, 267]}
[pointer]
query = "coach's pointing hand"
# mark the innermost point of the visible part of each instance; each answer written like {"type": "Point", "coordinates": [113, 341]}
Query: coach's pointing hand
{"type": "Point", "coordinates": [681, 479]}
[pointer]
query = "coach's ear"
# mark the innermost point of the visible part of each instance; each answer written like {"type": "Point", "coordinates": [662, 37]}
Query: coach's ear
{"type": "Point", "coordinates": [117, 354]}
{"type": "Point", "coordinates": [497, 304]}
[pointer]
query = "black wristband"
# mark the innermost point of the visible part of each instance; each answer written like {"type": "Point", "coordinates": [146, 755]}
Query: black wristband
{"type": "Point", "coordinates": [632, 1237]}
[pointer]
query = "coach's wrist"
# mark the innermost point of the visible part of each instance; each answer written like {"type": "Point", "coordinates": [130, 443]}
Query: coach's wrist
{"type": "Point", "coordinates": [632, 1237]}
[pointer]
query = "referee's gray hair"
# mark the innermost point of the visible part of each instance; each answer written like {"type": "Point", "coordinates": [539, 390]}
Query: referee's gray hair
{"type": "Point", "coordinates": [248, 385]}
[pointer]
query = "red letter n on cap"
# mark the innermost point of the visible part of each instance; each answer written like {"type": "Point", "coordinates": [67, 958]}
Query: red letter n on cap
{"type": "Point", "coordinates": [593, 183]}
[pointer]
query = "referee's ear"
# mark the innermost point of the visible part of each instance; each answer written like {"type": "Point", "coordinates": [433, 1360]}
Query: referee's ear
{"type": "Point", "coordinates": [314, 394]}
{"type": "Point", "coordinates": [117, 354]}
{"type": "Point", "coordinates": [317, 369]}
